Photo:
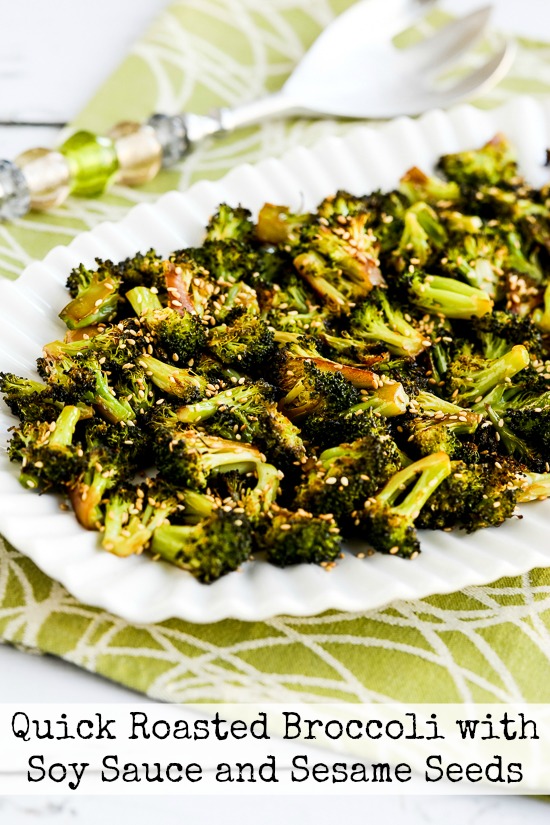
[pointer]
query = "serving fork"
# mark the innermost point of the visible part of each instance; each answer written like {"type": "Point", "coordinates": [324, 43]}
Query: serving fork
{"type": "Point", "coordinates": [354, 70]}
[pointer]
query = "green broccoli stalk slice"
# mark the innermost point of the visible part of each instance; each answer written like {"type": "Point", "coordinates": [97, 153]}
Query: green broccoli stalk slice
{"type": "Point", "coordinates": [388, 399]}
{"type": "Point", "coordinates": [96, 301]}
{"type": "Point", "coordinates": [469, 378]}
{"type": "Point", "coordinates": [380, 321]}
{"type": "Point", "coordinates": [115, 409]}
{"type": "Point", "coordinates": [143, 300]}
{"type": "Point", "coordinates": [133, 514]}
{"type": "Point", "coordinates": [426, 403]}
{"type": "Point", "coordinates": [217, 542]}
{"type": "Point", "coordinates": [388, 519]}
{"type": "Point", "coordinates": [182, 383]}
{"type": "Point", "coordinates": [447, 296]}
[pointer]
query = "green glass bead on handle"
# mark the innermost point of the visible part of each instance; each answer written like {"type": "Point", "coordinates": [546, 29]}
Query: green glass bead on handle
{"type": "Point", "coordinates": [92, 161]}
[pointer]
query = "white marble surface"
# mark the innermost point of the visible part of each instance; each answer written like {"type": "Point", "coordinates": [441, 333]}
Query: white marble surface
{"type": "Point", "coordinates": [35, 84]}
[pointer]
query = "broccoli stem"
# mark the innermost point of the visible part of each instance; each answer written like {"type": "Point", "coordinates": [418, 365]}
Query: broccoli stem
{"type": "Point", "coordinates": [173, 380]}
{"type": "Point", "coordinates": [205, 409]}
{"type": "Point", "coordinates": [429, 472]}
{"type": "Point", "coordinates": [86, 499]}
{"type": "Point", "coordinates": [170, 540]}
{"type": "Point", "coordinates": [449, 297]}
{"type": "Point", "coordinates": [388, 400]}
{"type": "Point", "coordinates": [142, 300]}
{"type": "Point", "coordinates": [96, 303]}
{"type": "Point", "coordinates": [65, 425]}
{"type": "Point", "coordinates": [480, 382]}
{"type": "Point", "coordinates": [113, 409]}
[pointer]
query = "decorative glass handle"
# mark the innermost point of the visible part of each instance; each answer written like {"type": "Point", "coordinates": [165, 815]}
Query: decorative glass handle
{"type": "Point", "coordinates": [131, 153]}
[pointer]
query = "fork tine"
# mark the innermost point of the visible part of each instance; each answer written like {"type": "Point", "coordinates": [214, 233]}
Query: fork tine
{"type": "Point", "coordinates": [449, 42]}
{"type": "Point", "coordinates": [484, 77]}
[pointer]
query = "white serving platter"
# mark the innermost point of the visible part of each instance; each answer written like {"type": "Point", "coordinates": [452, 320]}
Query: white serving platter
{"type": "Point", "coordinates": [143, 591]}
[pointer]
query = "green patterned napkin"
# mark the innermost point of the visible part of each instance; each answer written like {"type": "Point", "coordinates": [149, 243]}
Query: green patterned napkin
{"type": "Point", "coordinates": [486, 644]}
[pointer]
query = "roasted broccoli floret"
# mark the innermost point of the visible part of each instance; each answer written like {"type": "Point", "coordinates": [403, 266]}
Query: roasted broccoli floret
{"type": "Point", "coordinates": [230, 223]}
{"type": "Point", "coordinates": [345, 476]}
{"type": "Point", "coordinates": [132, 514]}
{"type": "Point", "coordinates": [172, 380]}
{"type": "Point", "coordinates": [308, 389]}
{"type": "Point", "coordinates": [179, 335]}
{"type": "Point", "coordinates": [298, 537]}
{"type": "Point", "coordinates": [189, 457]}
{"type": "Point", "coordinates": [251, 413]}
{"type": "Point", "coordinates": [278, 225]}
{"type": "Point", "coordinates": [378, 320]}
{"type": "Point", "coordinates": [499, 331]}
{"type": "Point", "coordinates": [332, 428]}
{"type": "Point", "coordinates": [530, 450]}
{"type": "Point", "coordinates": [95, 296]}
{"type": "Point", "coordinates": [246, 344]}
{"type": "Point", "coordinates": [49, 454]}
{"type": "Point", "coordinates": [417, 186]}
{"type": "Point", "coordinates": [473, 496]}
{"type": "Point", "coordinates": [287, 536]}
{"type": "Point", "coordinates": [83, 379]}
{"type": "Point", "coordinates": [113, 347]}
{"type": "Point", "coordinates": [29, 400]}
{"type": "Point", "coordinates": [440, 433]}
{"type": "Point", "coordinates": [494, 163]}
{"type": "Point", "coordinates": [422, 237]}
{"type": "Point", "coordinates": [216, 541]}
{"type": "Point", "coordinates": [108, 462]}
{"type": "Point", "coordinates": [388, 518]}
{"type": "Point", "coordinates": [341, 270]}
{"type": "Point", "coordinates": [470, 378]}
